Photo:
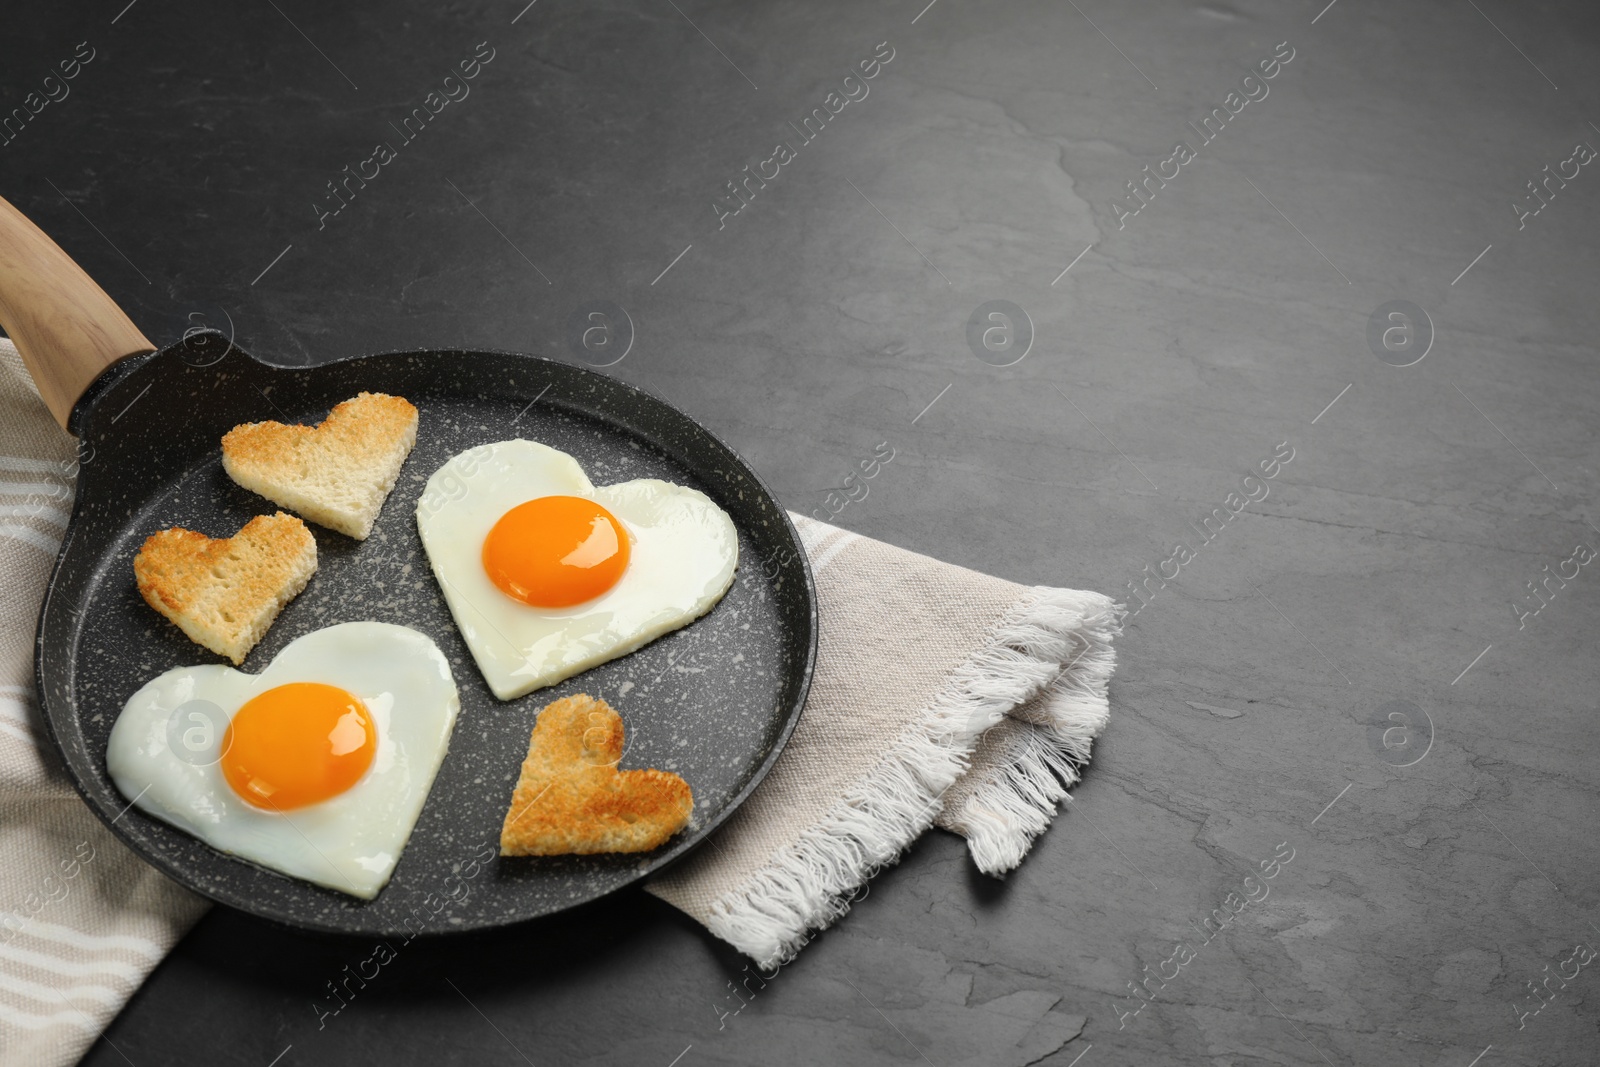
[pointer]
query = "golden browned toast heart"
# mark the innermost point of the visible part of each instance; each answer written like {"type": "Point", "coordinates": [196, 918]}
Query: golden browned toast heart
{"type": "Point", "coordinates": [572, 799]}
{"type": "Point", "coordinates": [337, 473]}
{"type": "Point", "coordinates": [225, 592]}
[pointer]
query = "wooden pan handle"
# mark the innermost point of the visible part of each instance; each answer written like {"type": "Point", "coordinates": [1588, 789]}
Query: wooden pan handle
{"type": "Point", "coordinates": [64, 325]}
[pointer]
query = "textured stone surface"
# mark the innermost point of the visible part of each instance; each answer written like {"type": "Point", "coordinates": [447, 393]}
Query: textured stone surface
{"type": "Point", "coordinates": [1171, 359]}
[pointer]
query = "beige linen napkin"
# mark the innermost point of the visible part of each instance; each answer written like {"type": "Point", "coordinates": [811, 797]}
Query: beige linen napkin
{"type": "Point", "coordinates": [941, 696]}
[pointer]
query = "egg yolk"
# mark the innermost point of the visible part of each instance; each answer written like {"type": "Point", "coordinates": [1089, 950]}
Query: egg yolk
{"type": "Point", "coordinates": [556, 551]}
{"type": "Point", "coordinates": [297, 744]}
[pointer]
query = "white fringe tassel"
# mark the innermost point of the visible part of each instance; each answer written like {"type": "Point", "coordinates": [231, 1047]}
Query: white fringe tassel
{"type": "Point", "coordinates": [1002, 816]}
{"type": "Point", "coordinates": [806, 886]}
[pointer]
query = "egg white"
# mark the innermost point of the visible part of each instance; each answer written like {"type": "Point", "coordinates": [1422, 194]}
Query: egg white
{"type": "Point", "coordinates": [681, 562]}
{"type": "Point", "coordinates": [349, 842]}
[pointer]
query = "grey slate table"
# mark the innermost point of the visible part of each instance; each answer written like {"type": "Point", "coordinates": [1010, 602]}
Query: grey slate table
{"type": "Point", "coordinates": [1342, 665]}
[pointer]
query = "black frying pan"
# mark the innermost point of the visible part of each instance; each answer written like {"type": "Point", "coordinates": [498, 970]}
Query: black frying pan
{"type": "Point", "coordinates": [149, 425]}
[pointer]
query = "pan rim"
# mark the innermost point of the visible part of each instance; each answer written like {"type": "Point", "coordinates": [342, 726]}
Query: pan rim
{"type": "Point", "coordinates": [49, 704]}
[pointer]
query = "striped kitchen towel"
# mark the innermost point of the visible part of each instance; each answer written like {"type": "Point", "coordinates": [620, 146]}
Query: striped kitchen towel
{"type": "Point", "coordinates": [82, 920]}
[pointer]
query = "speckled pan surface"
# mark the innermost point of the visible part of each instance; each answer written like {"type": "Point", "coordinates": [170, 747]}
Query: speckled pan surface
{"type": "Point", "coordinates": [713, 702]}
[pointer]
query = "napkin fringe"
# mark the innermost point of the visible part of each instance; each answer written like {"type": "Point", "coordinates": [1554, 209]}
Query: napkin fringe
{"type": "Point", "coordinates": [1040, 761]}
{"type": "Point", "coordinates": [809, 885]}
{"type": "Point", "coordinates": [1004, 815]}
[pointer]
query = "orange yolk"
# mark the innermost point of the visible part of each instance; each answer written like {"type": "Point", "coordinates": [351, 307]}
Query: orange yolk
{"type": "Point", "coordinates": [297, 744]}
{"type": "Point", "coordinates": [556, 551]}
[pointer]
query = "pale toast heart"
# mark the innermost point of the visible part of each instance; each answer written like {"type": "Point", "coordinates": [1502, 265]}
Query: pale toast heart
{"type": "Point", "coordinates": [225, 592]}
{"type": "Point", "coordinates": [337, 473]}
{"type": "Point", "coordinates": [571, 798]}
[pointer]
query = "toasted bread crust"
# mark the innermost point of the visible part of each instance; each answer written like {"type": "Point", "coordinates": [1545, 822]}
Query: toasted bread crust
{"type": "Point", "coordinates": [571, 798]}
{"type": "Point", "coordinates": [225, 593]}
{"type": "Point", "coordinates": [337, 473]}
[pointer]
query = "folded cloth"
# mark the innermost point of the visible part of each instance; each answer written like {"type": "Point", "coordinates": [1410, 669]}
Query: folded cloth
{"type": "Point", "coordinates": [941, 696]}
{"type": "Point", "coordinates": [82, 919]}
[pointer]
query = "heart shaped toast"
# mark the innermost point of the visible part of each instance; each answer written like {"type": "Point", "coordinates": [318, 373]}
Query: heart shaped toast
{"type": "Point", "coordinates": [337, 473]}
{"type": "Point", "coordinates": [572, 799]}
{"type": "Point", "coordinates": [225, 592]}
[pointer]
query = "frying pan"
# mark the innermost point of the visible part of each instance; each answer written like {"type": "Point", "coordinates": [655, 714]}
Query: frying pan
{"type": "Point", "coordinates": [714, 702]}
